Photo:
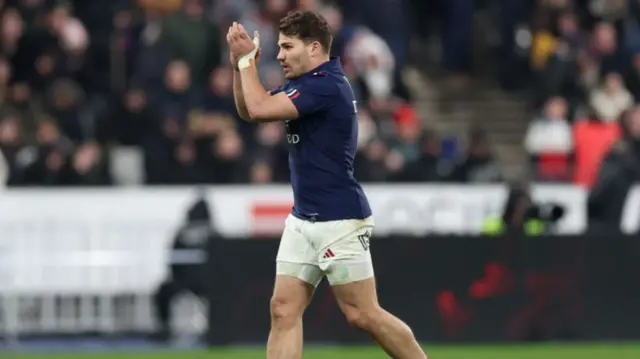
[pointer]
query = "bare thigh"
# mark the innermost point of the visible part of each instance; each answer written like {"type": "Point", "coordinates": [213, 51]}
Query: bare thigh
{"type": "Point", "coordinates": [291, 296]}
{"type": "Point", "coordinates": [357, 300]}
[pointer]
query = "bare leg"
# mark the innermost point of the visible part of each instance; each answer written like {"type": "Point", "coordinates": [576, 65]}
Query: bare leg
{"type": "Point", "coordinates": [359, 302]}
{"type": "Point", "coordinates": [290, 298]}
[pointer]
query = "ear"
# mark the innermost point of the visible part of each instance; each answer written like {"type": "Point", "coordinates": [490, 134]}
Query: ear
{"type": "Point", "coordinates": [316, 48]}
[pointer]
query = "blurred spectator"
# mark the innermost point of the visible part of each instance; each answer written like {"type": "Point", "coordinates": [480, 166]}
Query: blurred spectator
{"type": "Point", "coordinates": [370, 163]}
{"type": "Point", "coordinates": [405, 147]}
{"type": "Point", "coordinates": [179, 94]}
{"type": "Point", "coordinates": [148, 53]}
{"type": "Point", "coordinates": [372, 62]}
{"type": "Point", "coordinates": [230, 160]}
{"type": "Point", "coordinates": [192, 38]}
{"type": "Point", "coordinates": [479, 165]}
{"type": "Point", "coordinates": [187, 271]}
{"type": "Point", "coordinates": [632, 76]}
{"type": "Point", "coordinates": [5, 76]}
{"type": "Point", "coordinates": [570, 39]}
{"type": "Point", "coordinates": [620, 169]}
{"type": "Point", "coordinates": [511, 60]}
{"type": "Point", "coordinates": [365, 55]}
{"type": "Point", "coordinates": [551, 131]}
{"type": "Point", "coordinates": [407, 141]}
{"type": "Point", "coordinates": [45, 164]}
{"type": "Point", "coordinates": [88, 166]}
{"type": "Point", "coordinates": [12, 31]}
{"type": "Point", "coordinates": [270, 148]}
{"type": "Point", "coordinates": [609, 10]}
{"type": "Point", "coordinates": [133, 119]}
{"type": "Point", "coordinates": [612, 99]}
{"type": "Point", "coordinates": [428, 166]}
{"type": "Point", "coordinates": [265, 20]}
{"type": "Point", "coordinates": [65, 104]}
{"type": "Point", "coordinates": [549, 140]}
{"type": "Point", "coordinates": [218, 103]}
{"type": "Point", "coordinates": [454, 20]}
{"type": "Point", "coordinates": [602, 56]}
{"type": "Point", "coordinates": [11, 142]}
{"type": "Point", "coordinates": [261, 173]}
{"type": "Point", "coordinates": [227, 11]}
{"type": "Point", "coordinates": [189, 167]}
{"type": "Point", "coordinates": [389, 19]}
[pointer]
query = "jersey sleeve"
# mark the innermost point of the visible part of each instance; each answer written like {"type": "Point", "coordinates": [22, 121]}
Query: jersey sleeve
{"type": "Point", "coordinates": [312, 96]}
{"type": "Point", "coordinates": [276, 90]}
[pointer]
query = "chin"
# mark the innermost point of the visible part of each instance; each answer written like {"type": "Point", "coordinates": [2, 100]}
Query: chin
{"type": "Point", "coordinates": [290, 76]}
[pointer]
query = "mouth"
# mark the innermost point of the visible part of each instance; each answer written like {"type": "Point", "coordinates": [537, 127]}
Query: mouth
{"type": "Point", "coordinates": [285, 68]}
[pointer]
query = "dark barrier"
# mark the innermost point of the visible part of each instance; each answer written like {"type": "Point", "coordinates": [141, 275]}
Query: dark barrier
{"type": "Point", "coordinates": [452, 289]}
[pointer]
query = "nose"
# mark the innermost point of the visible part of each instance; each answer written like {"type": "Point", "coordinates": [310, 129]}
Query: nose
{"type": "Point", "coordinates": [280, 56]}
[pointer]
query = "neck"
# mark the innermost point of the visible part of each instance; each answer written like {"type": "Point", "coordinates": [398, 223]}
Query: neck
{"type": "Point", "coordinates": [318, 61]}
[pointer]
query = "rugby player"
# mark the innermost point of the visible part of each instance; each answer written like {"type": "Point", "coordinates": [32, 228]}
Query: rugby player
{"type": "Point", "coordinates": [328, 230]}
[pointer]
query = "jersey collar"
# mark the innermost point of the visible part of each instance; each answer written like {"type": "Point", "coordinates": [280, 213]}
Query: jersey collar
{"type": "Point", "coordinates": [329, 66]}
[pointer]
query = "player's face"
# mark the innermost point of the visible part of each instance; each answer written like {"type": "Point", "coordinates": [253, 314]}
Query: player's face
{"type": "Point", "coordinates": [294, 56]}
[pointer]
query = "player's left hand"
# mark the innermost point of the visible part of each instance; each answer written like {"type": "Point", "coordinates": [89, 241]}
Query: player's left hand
{"type": "Point", "coordinates": [240, 44]}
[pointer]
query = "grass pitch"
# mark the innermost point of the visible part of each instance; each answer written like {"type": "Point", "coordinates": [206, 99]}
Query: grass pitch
{"type": "Point", "coordinates": [542, 351]}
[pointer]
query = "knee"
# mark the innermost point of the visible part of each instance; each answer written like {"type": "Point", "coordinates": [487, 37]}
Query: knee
{"type": "Point", "coordinates": [284, 312]}
{"type": "Point", "coordinates": [363, 319]}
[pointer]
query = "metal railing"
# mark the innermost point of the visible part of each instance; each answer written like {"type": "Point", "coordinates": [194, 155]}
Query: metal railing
{"type": "Point", "coordinates": [76, 277]}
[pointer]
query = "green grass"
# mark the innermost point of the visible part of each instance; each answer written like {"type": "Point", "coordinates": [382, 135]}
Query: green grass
{"type": "Point", "coordinates": [543, 351]}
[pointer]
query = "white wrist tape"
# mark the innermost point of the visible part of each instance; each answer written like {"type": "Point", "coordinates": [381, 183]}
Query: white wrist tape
{"type": "Point", "coordinates": [245, 61]}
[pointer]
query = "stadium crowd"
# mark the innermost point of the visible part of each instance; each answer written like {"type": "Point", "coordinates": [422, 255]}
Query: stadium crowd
{"type": "Point", "coordinates": [83, 80]}
{"type": "Point", "coordinates": [585, 66]}
{"type": "Point", "coordinates": [104, 92]}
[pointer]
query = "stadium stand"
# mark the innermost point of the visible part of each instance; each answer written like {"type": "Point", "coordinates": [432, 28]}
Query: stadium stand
{"type": "Point", "coordinates": [144, 95]}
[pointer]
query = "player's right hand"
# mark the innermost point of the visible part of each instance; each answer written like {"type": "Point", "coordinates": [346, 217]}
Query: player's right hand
{"type": "Point", "coordinates": [233, 58]}
{"type": "Point", "coordinates": [244, 49]}
{"type": "Point", "coordinates": [236, 31]}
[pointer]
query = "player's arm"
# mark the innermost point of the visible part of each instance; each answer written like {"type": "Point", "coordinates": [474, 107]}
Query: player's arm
{"type": "Point", "coordinates": [260, 105]}
{"type": "Point", "coordinates": [238, 97]}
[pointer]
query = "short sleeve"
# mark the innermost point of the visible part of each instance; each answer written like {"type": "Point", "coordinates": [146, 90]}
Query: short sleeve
{"type": "Point", "coordinates": [276, 90]}
{"type": "Point", "coordinates": [310, 97]}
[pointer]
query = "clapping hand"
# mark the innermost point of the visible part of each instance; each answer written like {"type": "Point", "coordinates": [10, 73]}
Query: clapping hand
{"type": "Point", "coordinates": [242, 48]}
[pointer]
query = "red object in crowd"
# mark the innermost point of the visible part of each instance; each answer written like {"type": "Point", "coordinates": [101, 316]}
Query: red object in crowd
{"type": "Point", "coordinates": [406, 115]}
{"type": "Point", "coordinates": [592, 143]}
{"type": "Point", "coordinates": [554, 166]}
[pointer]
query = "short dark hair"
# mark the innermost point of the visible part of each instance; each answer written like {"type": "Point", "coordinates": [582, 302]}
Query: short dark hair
{"type": "Point", "coordinates": [309, 26]}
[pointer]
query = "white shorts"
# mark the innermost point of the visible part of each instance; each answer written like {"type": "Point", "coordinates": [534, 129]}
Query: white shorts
{"type": "Point", "coordinates": [338, 250]}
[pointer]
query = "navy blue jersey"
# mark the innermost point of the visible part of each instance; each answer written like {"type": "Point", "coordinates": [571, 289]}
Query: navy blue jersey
{"type": "Point", "coordinates": [322, 145]}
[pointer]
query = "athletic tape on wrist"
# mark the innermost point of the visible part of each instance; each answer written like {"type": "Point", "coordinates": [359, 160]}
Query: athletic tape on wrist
{"type": "Point", "coordinates": [245, 61]}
